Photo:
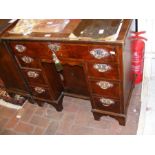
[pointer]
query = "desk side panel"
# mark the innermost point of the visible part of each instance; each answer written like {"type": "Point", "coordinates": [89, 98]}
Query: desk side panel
{"type": "Point", "coordinates": [9, 72]}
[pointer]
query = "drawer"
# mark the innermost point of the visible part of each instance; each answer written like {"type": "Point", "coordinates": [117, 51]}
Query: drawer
{"type": "Point", "coordinates": [104, 70]}
{"type": "Point", "coordinates": [27, 61]}
{"type": "Point", "coordinates": [105, 88]}
{"type": "Point", "coordinates": [33, 49]}
{"type": "Point", "coordinates": [41, 92]}
{"type": "Point", "coordinates": [33, 76]}
{"type": "Point", "coordinates": [106, 104]}
{"type": "Point", "coordinates": [88, 52]}
{"type": "Point", "coordinates": [73, 51]}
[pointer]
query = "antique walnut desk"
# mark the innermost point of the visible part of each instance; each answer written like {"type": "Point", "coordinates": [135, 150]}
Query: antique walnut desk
{"type": "Point", "coordinates": [90, 59]}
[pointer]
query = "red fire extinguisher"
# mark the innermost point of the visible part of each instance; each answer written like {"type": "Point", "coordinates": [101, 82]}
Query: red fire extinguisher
{"type": "Point", "coordinates": [137, 48]}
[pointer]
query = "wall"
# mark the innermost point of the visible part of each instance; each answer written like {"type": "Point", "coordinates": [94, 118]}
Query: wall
{"type": "Point", "coordinates": [149, 26]}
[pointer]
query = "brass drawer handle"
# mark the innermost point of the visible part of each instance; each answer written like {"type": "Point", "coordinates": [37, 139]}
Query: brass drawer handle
{"type": "Point", "coordinates": [39, 90]}
{"type": "Point", "coordinates": [99, 53]}
{"type": "Point", "coordinates": [102, 67]}
{"type": "Point", "coordinates": [104, 84]}
{"type": "Point", "coordinates": [106, 102]}
{"type": "Point", "coordinates": [54, 47]}
{"type": "Point", "coordinates": [20, 48]}
{"type": "Point", "coordinates": [27, 59]}
{"type": "Point", "coordinates": [32, 74]}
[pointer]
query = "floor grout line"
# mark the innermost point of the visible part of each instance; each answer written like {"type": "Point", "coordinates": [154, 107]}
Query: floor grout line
{"type": "Point", "coordinates": [69, 113]}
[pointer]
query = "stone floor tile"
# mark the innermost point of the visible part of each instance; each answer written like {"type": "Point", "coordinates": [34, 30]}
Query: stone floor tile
{"type": "Point", "coordinates": [8, 112]}
{"type": "Point", "coordinates": [27, 114]}
{"type": "Point", "coordinates": [24, 128]}
{"type": "Point", "coordinates": [40, 111]}
{"type": "Point", "coordinates": [53, 114]}
{"type": "Point", "coordinates": [66, 123]}
{"type": "Point", "coordinates": [3, 122]}
{"type": "Point", "coordinates": [12, 123]}
{"type": "Point", "coordinates": [40, 121]}
{"type": "Point", "coordinates": [102, 124]}
{"type": "Point", "coordinates": [7, 132]}
{"type": "Point", "coordinates": [72, 107]}
{"type": "Point", "coordinates": [52, 128]}
{"type": "Point", "coordinates": [84, 130]}
{"type": "Point", "coordinates": [83, 118]}
{"type": "Point", "coordinates": [38, 131]}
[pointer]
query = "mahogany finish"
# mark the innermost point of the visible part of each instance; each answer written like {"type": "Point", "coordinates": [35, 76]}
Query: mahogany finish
{"type": "Point", "coordinates": [97, 104]}
{"type": "Point", "coordinates": [74, 80]}
{"type": "Point", "coordinates": [22, 64]}
{"type": "Point", "coordinates": [112, 71]}
{"type": "Point", "coordinates": [32, 49]}
{"type": "Point", "coordinates": [34, 76]}
{"type": "Point", "coordinates": [89, 66]}
{"type": "Point", "coordinates": [113, 91]}
{"type": "Point", "coordinates": [82, 51]}
{"type": "Point", "coordinates": [9, 71]}
{"type": "Point", "coordinates": [44, 95]}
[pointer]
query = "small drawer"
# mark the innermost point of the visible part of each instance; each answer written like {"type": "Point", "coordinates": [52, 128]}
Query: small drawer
{"type": "Point", "coordinates": [27, 61]}
{"type": "Point", "coordinates": [41, 92]}
{"type": "Point", "coordinates": [106, 104]}
{"type": "Point", "coordinates": [105, 88]}
{"type": "Point", "coordinates": [34, 77]}
{"type": "Point", "coordinates": [107, 53]}
{"type": "Point", "coordinates": [73, 51]}
{"type": "Point", "coordinates": [104, 70]}
{"type": "Point", "coordinates": [32, 49]}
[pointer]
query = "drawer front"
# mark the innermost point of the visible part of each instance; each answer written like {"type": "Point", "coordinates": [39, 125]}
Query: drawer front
{"type": "Point", "coordinates": [107, 104]}
{"type": "Point", "coordinates": [27, 61]}
{"type": "Point", "coordinates": [105, 88]}
{"type": "Point", "coordinates": [34, 77]}
{"type": "Point", "coordinates": [41, 92]}
{"type": "Point", "coordinates": [72, 51]}
{"type": "Point", "coordinates": [33, 49]}
{"type": "Point", "coordinates": [88, 52]}
{"type": "Point", "coordinates": [104, 70]}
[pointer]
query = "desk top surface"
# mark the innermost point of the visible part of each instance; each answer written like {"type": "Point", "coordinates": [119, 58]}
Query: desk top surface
{"type": "Point", "coordinates": [95, 30]}
{"type": "Point", "coordinates": [3, 24]}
